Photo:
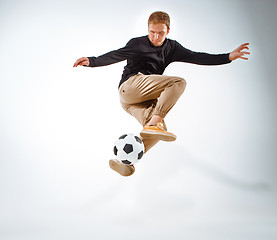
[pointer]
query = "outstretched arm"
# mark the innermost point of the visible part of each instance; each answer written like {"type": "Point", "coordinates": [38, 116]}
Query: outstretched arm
{"type": "Point", "coordinates": [239, 52]}
{"type": "Point", "coordinates": [111, 57]}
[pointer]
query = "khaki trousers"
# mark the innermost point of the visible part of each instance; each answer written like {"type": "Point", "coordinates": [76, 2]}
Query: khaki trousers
{"type": "Point", "coordinates": [143, 96]}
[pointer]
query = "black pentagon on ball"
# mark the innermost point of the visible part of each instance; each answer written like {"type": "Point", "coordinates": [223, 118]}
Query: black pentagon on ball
{"type": "Point", "coordinates": [138, 139]}
{"type": "Point", "coordinates": [140, 155]}
{"type": "Point", "coordinates": [115, 150]}
{"type": "Point", "coordinates": [123, 136]}
{"type": "Point", "coordinates": [128, 148]}
{"type": "Point", "coordinates": [126, 162]}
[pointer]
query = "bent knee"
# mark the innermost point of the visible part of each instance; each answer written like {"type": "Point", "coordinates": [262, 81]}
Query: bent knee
{"type": "Point", "coordinates": [181, 83]}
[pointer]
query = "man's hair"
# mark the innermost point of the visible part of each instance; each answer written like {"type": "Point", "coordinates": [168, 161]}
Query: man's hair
{"type": "Point", "coordinates": [159, 17]}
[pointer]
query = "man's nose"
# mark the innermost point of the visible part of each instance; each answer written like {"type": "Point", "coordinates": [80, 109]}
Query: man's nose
{"type": "Point", "coordinates": [156, 36]}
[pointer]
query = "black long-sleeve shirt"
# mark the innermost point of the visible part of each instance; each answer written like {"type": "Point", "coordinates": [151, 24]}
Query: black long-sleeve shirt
{"type": "Point", "coordinates": [143, 57]}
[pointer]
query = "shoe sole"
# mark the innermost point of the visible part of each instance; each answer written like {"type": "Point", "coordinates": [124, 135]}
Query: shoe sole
{"type": "Point", "coordinates": [158, 135]}
{"type": "Point", "coordinates": [122, 169]}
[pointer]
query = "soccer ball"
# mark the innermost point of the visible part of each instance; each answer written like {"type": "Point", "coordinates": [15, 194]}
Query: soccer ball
{"type": "Point", "coordinates": [128, 149]}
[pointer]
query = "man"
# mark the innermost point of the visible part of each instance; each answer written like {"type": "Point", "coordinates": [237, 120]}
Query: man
{"type": "Point", "coordinates": [144, 92]}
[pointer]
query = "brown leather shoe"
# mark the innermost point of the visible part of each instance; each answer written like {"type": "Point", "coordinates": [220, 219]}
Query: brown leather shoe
{"type": "Point", "coordinates": [122, 169]}
{"type": "Point", "coordinates": [157, 132]}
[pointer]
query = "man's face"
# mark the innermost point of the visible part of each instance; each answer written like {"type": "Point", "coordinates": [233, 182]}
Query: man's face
{"type": "Point", "coordinates": [157, 33]}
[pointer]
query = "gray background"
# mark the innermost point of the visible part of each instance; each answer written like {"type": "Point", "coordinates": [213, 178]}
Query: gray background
{"type": "Point", "coordinates": [58, 125]}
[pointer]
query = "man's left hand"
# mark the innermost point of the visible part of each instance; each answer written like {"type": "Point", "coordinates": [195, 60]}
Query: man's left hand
{"type": "Point", "coordinates": [239, 52]}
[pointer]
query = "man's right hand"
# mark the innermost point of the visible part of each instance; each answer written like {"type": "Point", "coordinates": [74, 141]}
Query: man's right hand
{"type": "Point", "coordinates": [83, 61]}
